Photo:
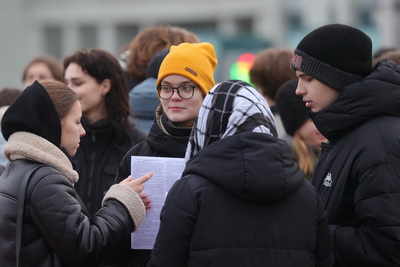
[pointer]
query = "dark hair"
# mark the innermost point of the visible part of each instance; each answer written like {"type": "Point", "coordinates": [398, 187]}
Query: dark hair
{"type": "Point", "coordinates": [271, 68]}
{"type": "Point", "coordinates": [152, 40]}
{"type": "Point", "coordinates": [52, 63]}
{"type": "Point", "coordinates": [102, 65]}
{"type": "Point", "coordinates": [8, 95]}
{"type": "Point", "coordinates": [61, 95]}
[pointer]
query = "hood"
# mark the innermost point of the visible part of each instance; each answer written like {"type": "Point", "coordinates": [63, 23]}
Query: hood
{"type": "Point", "coordinates": [143, 99]}
{"type": "Point", "coordinates": [377, 95]}
{"type": "Point", "coordinates": [254, 167]}
{"type": "Point", "coordinates": [33, 112]}
{"type": "Point", "coordinates": [231, 107]}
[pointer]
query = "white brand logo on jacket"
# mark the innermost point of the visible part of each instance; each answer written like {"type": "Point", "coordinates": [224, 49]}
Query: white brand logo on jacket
{"type": "Point", "coordinates": [328, 180]}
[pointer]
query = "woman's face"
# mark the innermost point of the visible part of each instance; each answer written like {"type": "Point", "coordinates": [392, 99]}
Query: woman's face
{"type": "Point", "coordinates": [183, 112]}
{"type": "Point", "coordinates": [90, 92]}
{"type": "Point", "coordinates": [310, 134]}
{"type": "Point", "coordinates": [37, 71]}
{"type": "Point", "coordinates": [72, 130]}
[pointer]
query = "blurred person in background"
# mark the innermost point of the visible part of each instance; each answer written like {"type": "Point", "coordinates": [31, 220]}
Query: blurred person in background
{"type": "Point", "coordinates": [97, 78]}
{"type": "Point", "coordinates": [382, 51]}
{"type": "Point", "coordinates": [143, 100]}
{"type": "Point", "coordinates": [147, 43]}
{"type": "Point", "coordinates": [7, 96]}
{"type": "Point", "coordinates": [393, 55]}
{"type": "Point", "coordinates": [271, 68]}
{"type": "Point", "coordinates": [306, 139]}
{"type": "Point", "coordinates": [42, 67]}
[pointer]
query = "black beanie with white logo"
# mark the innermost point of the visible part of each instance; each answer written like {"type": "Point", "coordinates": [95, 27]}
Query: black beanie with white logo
{"type": "Point", "coordinates": [335, 54]}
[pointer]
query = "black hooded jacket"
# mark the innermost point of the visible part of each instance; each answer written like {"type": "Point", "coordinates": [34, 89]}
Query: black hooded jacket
{"type": "Point", "coordinates": [240, 183]}
{"type": "Point", "coordinates": [56, 227]}
{"type": "Point", "coordinates": [358, 174]}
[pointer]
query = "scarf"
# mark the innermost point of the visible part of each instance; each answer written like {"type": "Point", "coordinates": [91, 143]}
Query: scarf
{"type": "Point", "coordinates": [25, 145]}
{"type": "Point", "coordinates": [231, 107]}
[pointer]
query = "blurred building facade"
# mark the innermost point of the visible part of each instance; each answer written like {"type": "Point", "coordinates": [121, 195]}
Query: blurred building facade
{"type": "Point", "coordinates": [59, 27]}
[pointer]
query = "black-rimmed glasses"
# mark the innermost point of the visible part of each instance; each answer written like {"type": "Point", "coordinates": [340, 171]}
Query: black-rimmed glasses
{"type": "Point", "coordinates": [184, 91]}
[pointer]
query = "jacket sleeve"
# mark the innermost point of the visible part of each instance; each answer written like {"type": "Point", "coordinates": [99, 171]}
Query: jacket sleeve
{"type": "Point", "coordinates": [376, 240]}
{"type": "Point", "coordinates": [178, 218]}
{"type": "Point", "coordinates": [77, 239]}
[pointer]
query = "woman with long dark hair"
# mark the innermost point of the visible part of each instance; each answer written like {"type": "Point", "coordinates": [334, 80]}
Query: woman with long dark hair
{"type": "Point", "coordinates": [97, 78]}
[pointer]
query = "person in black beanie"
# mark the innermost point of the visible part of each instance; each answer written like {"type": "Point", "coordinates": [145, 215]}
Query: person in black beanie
{"type": "Point", "coordinates": [357, 108]}
{"type": "Point", "coordinates": [306, 139]}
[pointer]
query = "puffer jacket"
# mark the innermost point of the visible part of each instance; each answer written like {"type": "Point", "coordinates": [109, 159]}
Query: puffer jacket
{"type": "Point", "coordinates": [57, 230]}
{"type": "Point", "coordinates": [358, 174]}
{"type": "Point", "coordinates": [243, 201]}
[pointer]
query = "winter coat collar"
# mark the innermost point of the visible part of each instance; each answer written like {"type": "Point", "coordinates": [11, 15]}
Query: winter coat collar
{"type": "Point", "coordinates": [377, 95]}
{"type": "Point", "coordinates": [166, 142]}
{"type": "Point", "coordinates": [24, 145]}
{"type": "Point", "coordinates": [167, 126]}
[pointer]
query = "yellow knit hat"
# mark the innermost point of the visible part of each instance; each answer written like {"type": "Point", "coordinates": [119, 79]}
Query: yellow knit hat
{"type": "Point", "coordinates": [195, 61]}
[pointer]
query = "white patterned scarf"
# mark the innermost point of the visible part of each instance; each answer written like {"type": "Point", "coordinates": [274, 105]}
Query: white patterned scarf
{"type": "Point", "coordinates": [231, 107]}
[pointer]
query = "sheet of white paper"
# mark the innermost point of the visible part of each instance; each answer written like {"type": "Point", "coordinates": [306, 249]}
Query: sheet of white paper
{"type": "Point", "coordinates": [165, 172]}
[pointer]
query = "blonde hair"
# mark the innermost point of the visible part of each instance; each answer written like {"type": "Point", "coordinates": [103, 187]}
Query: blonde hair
{"type": "Point", "coordinates": [305, 155]}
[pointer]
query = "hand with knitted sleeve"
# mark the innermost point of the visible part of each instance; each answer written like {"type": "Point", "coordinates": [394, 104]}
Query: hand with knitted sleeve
{"type": "Point", "coordinates": [129, 193]}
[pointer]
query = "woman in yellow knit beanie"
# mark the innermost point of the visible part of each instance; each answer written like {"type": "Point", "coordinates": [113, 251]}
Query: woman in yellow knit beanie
{"type": "Point", "coordinates": [185, 76]}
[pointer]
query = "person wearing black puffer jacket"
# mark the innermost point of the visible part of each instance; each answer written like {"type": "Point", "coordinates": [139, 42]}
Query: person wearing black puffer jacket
{"type": "Point", "coordinates": [357, 108]}
{"type": "Point", "coordinates": [242, 199]}
{"type": "Point", "coordinates": [43, 130]}
{"type": "Point", "coordinates": [185, 76]}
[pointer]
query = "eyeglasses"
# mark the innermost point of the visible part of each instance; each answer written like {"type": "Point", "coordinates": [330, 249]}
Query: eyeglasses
{"type": "Point", "coordinates": [184, 91]}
